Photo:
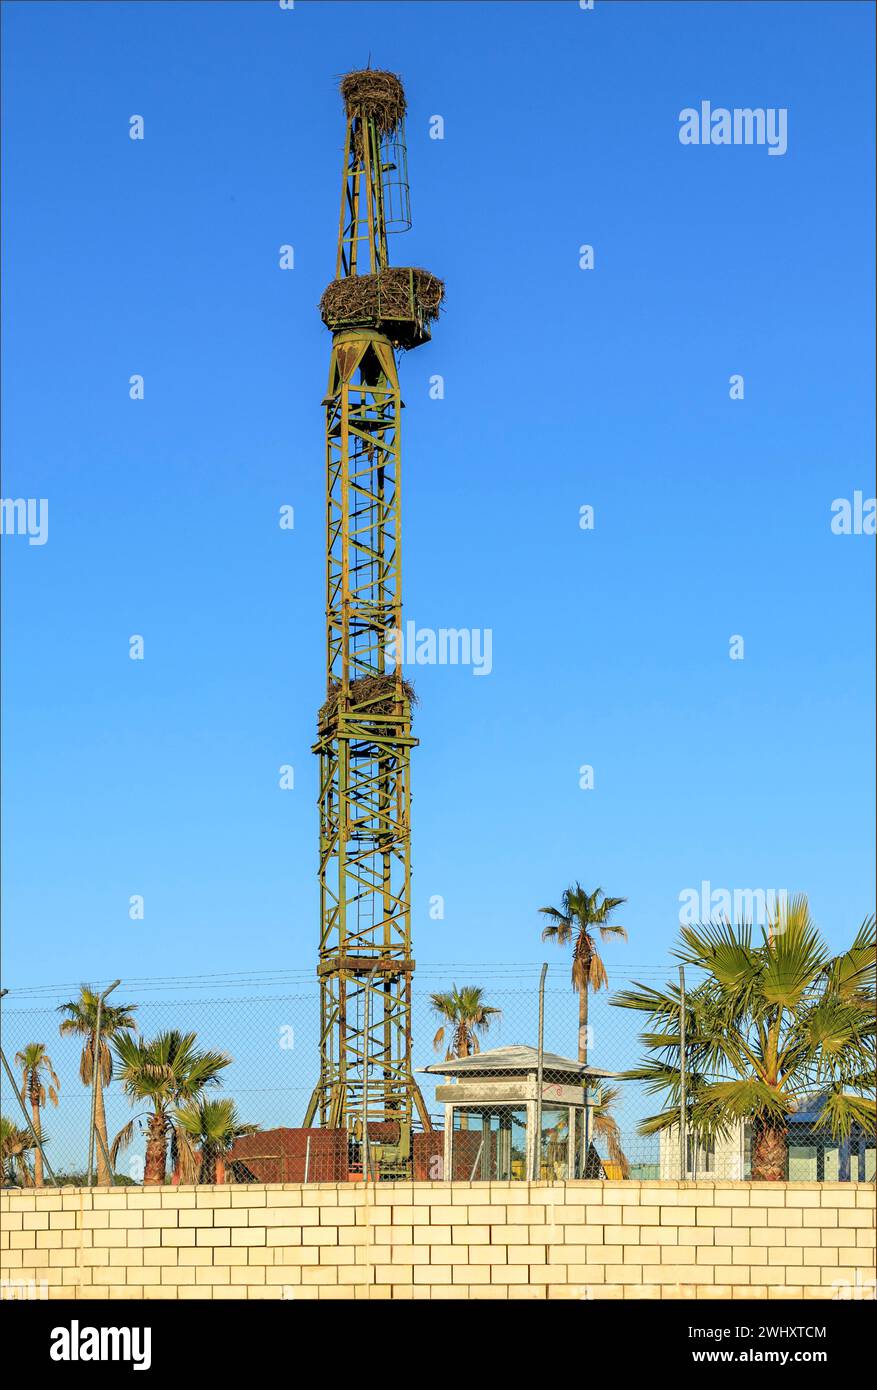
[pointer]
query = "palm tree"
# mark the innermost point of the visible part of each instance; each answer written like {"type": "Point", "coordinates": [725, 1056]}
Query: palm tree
{"type": "Point", "coordinates": [579, 915]}
{"type": "Point", "coordinates": [773, 1022]}
{"type": "Point", "coordinates": [36, 1064]}
{"type": "Point", "coordinates": [81, 1021]}
{"type": "Point", "coordinates": [213, 1125]}
{"type": "Point", "coordinates": [166, 1072]}
{"type": "Point", "coordinates": [16, 1147]}
{"type": "Point", "coordinates": [464, 1013]}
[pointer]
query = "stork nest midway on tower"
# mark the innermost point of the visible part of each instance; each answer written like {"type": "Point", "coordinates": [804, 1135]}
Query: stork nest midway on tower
{"type": "Point", "coordinates": [397, 294]}
{"type": "Point", "coordinates": [378, 96]}
{"type": "Point", "coordinates": [377, 692]}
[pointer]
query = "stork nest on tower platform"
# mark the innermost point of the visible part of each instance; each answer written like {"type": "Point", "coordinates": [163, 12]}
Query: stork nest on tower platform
{"type": "Point", "coordinates": [375, 95]}
{"type": "Point", "coordinates": [394, 295]}
{"type": "Point", "coordinates": [378, 692]}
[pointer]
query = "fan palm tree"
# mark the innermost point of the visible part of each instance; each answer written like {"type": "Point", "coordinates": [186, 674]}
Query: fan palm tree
{"type": "Point", "coordinates": [774, 1021]}
{"type": "Point", "coordinates": [81, 1021]}
{"type": "Point", "coordinates": [463, 1011]}
{"type": "Point", "coordinates": [16, 1147]}
{"type": "Point", "coordinates": [36, 1072]}
{"type": "Point", "coordinates": [578, 918]}
{"type": "Point", "coordinates": [212, 1125]}
{"type": "Point", "coordinates": [166, 1072]}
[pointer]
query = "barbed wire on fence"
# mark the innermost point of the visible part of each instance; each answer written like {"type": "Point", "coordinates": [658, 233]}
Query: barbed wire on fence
{"type": "Point", "coordinates": [270, 1035]}
{"type": "Point", "coordinates": [273, 978]}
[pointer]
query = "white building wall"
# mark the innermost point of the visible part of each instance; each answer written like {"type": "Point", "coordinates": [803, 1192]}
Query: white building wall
{"type": "Point", "coordinates": [726, 1163]}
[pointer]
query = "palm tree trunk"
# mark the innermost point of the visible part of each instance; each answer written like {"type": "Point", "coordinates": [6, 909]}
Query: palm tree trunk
{"type": "Point", "coordinates": [219, 1169]}
{"type": "Point", "coordinates": [176, 1160]}
{"type": "Point", "coordinates": [156, 1151]}
{"type": "Point", "coordinates": [770, 1145]}
{"type": "Point", "coordinates": [583, 1022]}
{"type": "Point", "coordinates": [210, 1162]}
{"type": "Point", "coordinates": [37, 1153]}
{"type": "Point", "coordinates": [104, 1176]}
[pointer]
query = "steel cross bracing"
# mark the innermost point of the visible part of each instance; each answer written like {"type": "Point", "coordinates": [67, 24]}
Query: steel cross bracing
{"type": "Point", "coordinates": [364, 734]}
{"type": "Point", "coordinates": [362, 202]}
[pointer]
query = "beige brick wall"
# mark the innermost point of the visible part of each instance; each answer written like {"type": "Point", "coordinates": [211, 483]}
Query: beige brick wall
{"type": "Point", "coordinates": [576, 1240]}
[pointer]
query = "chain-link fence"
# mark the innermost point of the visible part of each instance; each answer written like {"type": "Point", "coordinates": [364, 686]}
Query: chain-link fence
{"type": "Point", "coordinates": [494, 1106]}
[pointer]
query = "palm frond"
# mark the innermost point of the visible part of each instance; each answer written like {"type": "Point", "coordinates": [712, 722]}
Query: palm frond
{"type": "Point", "coordinates": [767, 1024]}
{"type": "Point", "coordinates": [122, 1141]}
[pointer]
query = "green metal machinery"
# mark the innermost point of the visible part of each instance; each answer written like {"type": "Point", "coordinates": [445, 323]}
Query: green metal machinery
{"type": "Point", "coordinates": [364, 737]}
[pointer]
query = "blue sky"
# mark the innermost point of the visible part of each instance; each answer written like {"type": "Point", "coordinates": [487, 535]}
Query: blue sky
{"type": "Point", "coordinates": [563, 387]}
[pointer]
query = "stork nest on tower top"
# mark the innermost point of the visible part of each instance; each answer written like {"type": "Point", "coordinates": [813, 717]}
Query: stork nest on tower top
{"type": "Point", "coordinates": [397, 293]}
{"type": "Point", "coordinates": [377, 692]}
{"type": "Point", "coordinates": [376, 95]}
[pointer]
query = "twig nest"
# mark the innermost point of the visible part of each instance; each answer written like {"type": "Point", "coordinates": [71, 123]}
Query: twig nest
{"type": "Point", "coordinates": [394, 294]}
{"type": "Point", "coordinates": [379, 692]}
{"type": "Point", "coordinates": [375, 95]}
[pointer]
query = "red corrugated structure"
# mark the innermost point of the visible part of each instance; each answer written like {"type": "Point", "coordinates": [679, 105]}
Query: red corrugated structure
{"type": "Point", "coordinates": [281, 1155]}
{"type": "Point", "coordinates": [428, 1151]}
{"type": "Point", "coordinates": [469, 1156]}
{"type": "Point", "coordinates": [383, 1131]}
{"type": "Point", "coordinates": [470, 1160]}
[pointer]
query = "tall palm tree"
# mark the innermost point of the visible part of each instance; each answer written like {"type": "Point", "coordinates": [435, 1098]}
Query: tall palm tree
{"type": "Point", "coordinates": [465, 1013]}
{"type": "Point", "coordinates": [212, 1125]}
{"type": "Point", "coordinates": [81, 1021]}
{"type": "Point", "coordinates": [36, 1071]}
{"type": "Point", "coordinates": [577, 919]}
{"type": "Point", "coordinates": [166, 1072]}
{"type": "Point", "coordinates": [16, 1148]}
{"type": "Point", "coordinates": [773, 1022]}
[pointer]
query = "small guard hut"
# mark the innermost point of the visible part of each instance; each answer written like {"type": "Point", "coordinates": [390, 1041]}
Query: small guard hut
{"type": "Point", "coordinates": [501, 1123]}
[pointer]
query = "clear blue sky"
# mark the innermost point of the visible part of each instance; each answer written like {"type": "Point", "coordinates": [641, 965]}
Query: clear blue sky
{"type": "Point", "coordinates": [562, 387]}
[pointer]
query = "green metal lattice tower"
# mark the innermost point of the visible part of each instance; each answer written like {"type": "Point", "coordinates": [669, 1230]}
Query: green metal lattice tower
{"type": "Point", "coordinates": [364, 727]}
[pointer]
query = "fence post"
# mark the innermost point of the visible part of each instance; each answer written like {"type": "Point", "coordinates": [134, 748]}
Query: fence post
{"type": "Point", "coordinates": [683, 1062]}
{"type": "Point", "coordinates": [540, 1045]}
{"type": "Point", "coordinates": [95, 1066]}
{"type": "Point", "coordinates": [27, 1118]}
